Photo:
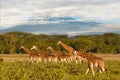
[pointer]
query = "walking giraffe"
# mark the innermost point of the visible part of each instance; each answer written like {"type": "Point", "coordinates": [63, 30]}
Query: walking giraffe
{"type": "Point", "coordinates": [62, 57]}
{"type": "Point", "coordinates": [32, 55]}
{"type": "Point", "coordinates": [45, 56]}
{"type": "Point", "coordinates": [92, 61]}
{"type": "Point", "coordinates": [70, 50]}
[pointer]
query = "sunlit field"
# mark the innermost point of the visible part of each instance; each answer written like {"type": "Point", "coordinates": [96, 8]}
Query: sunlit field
{"type": "Point", "coordinates": [18, 67]}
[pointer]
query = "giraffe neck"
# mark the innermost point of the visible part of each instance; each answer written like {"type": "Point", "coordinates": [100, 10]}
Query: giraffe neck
{"type": "Point", "coordinates": [39, 51]}
{"type": "Point", "coordinates": [54, 51]}
{"type": "Point", "coordinates": [28, 50]}
{"type": "Point", "coordinates": [68, 48]}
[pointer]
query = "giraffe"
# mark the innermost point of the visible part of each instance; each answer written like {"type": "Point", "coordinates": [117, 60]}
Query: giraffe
{"type": "Point", "coordinates": [62, 57]}
{"type": "Point", "coordinates": [32, 55]}
{"type": "Point", "coordinates": [93, 61]}
{"type": "Point", "coordinates": [70, 50]}
{"type": "Point", "coordinates": [45, 56]}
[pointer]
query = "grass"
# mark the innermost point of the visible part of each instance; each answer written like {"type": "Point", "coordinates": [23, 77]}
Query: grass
{"type": "Point", "coordinates": [55, 71]}
{"type": "Point", "coordinates": [18, 67]}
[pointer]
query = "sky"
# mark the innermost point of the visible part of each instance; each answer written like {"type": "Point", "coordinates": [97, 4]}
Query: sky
{"type": "Point", "coordinates": [15, 12]}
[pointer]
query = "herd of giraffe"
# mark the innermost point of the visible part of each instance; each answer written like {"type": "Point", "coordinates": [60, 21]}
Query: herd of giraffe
{"type": "Point", "coordinates": [73, 55]}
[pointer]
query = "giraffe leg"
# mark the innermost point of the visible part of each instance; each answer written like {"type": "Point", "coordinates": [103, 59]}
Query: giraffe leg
{"type": "Point", "coordinates": [39, 59]}
{"type": "Point", "coordinates": [61, 60]}
{"type": "Point", "coordinates": [32, 59]}
{"type": "Point", "coordinates": [45, 60]}
{"type": "Point", "coordinates": [65, 59]}
{"type": "Point", "coordinates": [79, 59]}
{"type": "Point", "coordinates": [93, 72]}
{"type": "Point", "coordinates": [35, 59]}
{"type": "Point", "coordinates": [56, 60]}
{"type": "Point", "coordinates": [91, 66]}
{"type": "Point", "coordinates": [87, 71]}
{"type": "Point", "coordinates": [100, 71]}
{"type": "Point", "coordinates": [71, 59]}
{"type": "Point", "coordinates": [76, 61]}
{"type": "Point", "coordinates": [103, 70]}
{"type": "Point", "coordinates": [49, 59]}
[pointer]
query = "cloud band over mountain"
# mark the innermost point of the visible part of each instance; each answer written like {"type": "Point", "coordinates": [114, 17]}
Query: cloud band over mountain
{"type": "Point", "coordinates": [70, 17]}
{"type": "Point", "coordinates": [14, 12]}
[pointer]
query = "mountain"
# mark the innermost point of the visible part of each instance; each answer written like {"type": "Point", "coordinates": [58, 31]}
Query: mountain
{"type": "Point", "coordinates": [54, 25]}
{"type": "Point", "coordinates": [51, 18]}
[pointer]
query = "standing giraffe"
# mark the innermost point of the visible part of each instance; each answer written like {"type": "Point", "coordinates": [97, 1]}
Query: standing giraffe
{"type": "Point", "coordinates": [92, 61]}
{"type": "Point", "coordinates": [45, 55]}
{"type": "Point", "coordinates": [62, 57]}
{"type": "Point", "coordinates": [70, 50]}
{"type": "Point", "coordinates": [32, 55]}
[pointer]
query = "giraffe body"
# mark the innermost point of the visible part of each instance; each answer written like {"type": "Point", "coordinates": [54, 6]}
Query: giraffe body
{"type": "Point", "coordinates": [46, 57]}
{"type": "Point", "coordinates": [76, 57]}
{"type": "Point", "coordinates": [32, 55]}
{"type": "Point", "coordinates": [62, 57]}
{"type": "Point", "coordinates": [93, 61]}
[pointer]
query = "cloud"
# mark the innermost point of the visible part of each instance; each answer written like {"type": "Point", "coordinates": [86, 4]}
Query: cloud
{"type": "Point", "coordinates": [102, 28]}
{"type": "Point", "coordinates": [14, 12]}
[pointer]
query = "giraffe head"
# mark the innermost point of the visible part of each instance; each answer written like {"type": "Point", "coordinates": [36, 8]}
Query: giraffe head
{"type": "Point", "coordinates": [49, 48]}
{"type": "Point", "coordinates": [21, 47]}
{"type": "Point", "coordinates": [34, 47]}
{"type": "Point", "coordinates": [59, 42]}
{"type": "Point", "coordinates": [75, 52]}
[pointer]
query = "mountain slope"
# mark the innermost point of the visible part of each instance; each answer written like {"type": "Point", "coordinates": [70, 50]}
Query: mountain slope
{"type": "Point", "coordinates": [49, 28]}
{"type": "Point", "coordinates": [61, 25]}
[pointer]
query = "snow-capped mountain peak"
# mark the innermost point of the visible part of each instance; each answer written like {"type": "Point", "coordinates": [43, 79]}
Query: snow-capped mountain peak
{"type": "Point", "coordinates": [51, 18]}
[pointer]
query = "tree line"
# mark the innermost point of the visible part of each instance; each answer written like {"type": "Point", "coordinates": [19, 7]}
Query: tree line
{"type": "Point", "coordinates": [105, 43]}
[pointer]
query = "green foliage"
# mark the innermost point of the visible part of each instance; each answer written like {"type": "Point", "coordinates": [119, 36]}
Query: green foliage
{"type": "Point", "coordinates": [55, 71]}
{"type": "Point", "coordinates": [106, 43]}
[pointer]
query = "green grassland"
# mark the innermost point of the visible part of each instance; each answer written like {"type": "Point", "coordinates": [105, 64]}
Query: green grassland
{"type": "Point", "coordinates": [15, 64]}
{"type": "Point", "coordinates": [56, 71]}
